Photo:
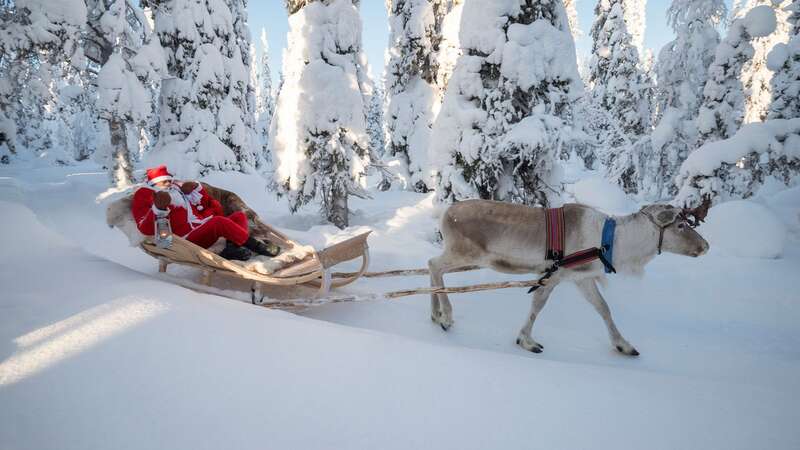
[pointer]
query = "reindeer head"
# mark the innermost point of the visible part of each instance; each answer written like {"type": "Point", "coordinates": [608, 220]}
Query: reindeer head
{"type": "Point", "coordinates": [675, 228]}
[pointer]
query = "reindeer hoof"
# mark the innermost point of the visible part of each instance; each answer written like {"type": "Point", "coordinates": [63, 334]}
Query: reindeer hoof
{"type": "Point", "coordinates": [631, 352]}
{"type": "Point", "coordinates": [530, 345]}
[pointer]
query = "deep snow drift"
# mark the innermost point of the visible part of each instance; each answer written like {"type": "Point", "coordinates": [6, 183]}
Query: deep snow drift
{"type": "Point", "coordinates": [97, 352]}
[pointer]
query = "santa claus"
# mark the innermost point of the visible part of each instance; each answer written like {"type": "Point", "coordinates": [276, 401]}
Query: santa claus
{"type": "Point", "coordinates": [193, 215]}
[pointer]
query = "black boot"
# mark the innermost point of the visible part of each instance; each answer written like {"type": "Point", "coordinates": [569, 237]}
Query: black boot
{"type": "Point", "coordinates": [235, 252]}
{"type": "Point", "coordinates": [265, 249]}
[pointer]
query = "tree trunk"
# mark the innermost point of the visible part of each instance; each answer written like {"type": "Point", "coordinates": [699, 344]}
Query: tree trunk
{"type": "Point", "coordinates": [121, 167]}
{"type": "Point", "coordinates": [337, 208]}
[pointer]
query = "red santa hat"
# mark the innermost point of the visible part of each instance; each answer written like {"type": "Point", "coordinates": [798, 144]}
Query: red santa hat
{"type": "Point", "coordinates": [157, 175]}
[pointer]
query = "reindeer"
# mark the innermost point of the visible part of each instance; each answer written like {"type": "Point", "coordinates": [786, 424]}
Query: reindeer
{"type": "Point", "coordinates": [511, 239]}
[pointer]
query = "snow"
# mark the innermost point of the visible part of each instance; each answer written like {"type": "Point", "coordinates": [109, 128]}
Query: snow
{"type": "Point", "coordinates": [600, 193]}
{"type": "Point", "coordinates": [745, 229]}
{"type": "Point", "coordinates": [754, 137]}
{"type": "Point", "coordinates": [760, 21]}
{"type": "Point", "coordinates": [101, 353]}
{"type": "Point", "coordinates": [777, 56]}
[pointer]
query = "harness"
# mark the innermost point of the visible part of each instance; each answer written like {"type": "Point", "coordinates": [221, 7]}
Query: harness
{"type": "Point", "coordinates": [555, 231]}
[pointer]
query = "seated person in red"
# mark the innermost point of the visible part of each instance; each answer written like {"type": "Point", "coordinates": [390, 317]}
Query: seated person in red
{"type": "Point", "coordinates": [193, 215]}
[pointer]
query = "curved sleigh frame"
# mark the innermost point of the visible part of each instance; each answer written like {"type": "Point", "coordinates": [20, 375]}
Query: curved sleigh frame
{"type": "Point", "coordinates": [314, 270]}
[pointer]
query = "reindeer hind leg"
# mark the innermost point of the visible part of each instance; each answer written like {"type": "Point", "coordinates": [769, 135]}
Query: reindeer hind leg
{"type": "Point", "coordinates": [441, 309]}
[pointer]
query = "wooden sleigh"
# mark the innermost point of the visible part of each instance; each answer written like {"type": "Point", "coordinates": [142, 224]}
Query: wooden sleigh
{"type": "Point", "coordinates": [314, 270]}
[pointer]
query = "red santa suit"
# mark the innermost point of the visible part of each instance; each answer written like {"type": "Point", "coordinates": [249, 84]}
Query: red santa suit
{"type": "Point", "coordinates": [196, 216]}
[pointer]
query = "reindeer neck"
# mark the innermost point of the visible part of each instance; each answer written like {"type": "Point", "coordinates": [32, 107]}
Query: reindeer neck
{"type": "Point", "coordinates": [635, 243]}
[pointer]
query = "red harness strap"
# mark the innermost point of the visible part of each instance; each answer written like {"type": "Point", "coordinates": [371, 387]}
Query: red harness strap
{"type": "Point", "coordinates": [554, 225]}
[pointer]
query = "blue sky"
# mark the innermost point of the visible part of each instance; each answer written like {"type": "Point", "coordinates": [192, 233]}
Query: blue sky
{"type": "Point", "coordinates": [271, 15]}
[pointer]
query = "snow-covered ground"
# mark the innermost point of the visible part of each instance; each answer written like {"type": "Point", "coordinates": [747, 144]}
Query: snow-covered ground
{"type": "Point", "coordinates": [97, 352]}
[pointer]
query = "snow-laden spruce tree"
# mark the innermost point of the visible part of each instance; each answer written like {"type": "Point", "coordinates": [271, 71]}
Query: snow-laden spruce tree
{"type": "Point", "coordinates": [318, 137]}
{"type": "Point", "coordinates": [206, 116]}
{"type": "Point", "coordinates": [36, 38]}
{"type": "Point", "coordinates": [265, 104]}
{"type": "Point", "coordinates": [723, 106]}
{"type": "Point", "coordinates": [756, 76]}
{"type": "Point", "coordinates": [450, 46]}
{"type": "Point", "coordinates": [682, 72]}
{"type": "Point", "coordinates": [410, 80]}
{"type": "Point", "coordinates": [375, 121]}
{"type": "Point", "coordinates": [124, 100]}
{"type": "Point", "coordinates": [784, 61]}
{"type": "Point", "coordinates": [507, 112]}
{"type": "Point", "coordinates": [635, 21]}
{"type": "Point", "coordinates": [621, 95]}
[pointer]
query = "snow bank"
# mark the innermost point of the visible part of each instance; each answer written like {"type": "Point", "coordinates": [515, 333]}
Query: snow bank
{"type": "Point", "coordinates": [600, 193]}
{"type": "Point", "coordinates": [745, 229]}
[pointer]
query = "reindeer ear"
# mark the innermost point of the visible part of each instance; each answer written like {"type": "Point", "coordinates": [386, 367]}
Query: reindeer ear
{"type": "Point", "coordinates": [666, 216]}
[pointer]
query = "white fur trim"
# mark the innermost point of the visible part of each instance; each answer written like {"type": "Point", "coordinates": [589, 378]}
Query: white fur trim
{"type": "Point", "coordinates": [159, 179]}
{"type": "Point", "coordinates": [160, 212]}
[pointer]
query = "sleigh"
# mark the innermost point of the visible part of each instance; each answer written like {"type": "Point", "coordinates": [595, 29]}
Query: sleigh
{"type": "Point", "coordinates": [312, 269]}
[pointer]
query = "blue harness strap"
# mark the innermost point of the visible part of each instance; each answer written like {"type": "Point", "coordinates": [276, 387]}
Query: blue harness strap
{"type": "Point", "coordinates": [607, 243]}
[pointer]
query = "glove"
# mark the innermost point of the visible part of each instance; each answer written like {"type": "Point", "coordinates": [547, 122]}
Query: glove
{"type": "Point", "coordinates": [188, 187]}
{"type": "Point", "coordinates": [162, 200]}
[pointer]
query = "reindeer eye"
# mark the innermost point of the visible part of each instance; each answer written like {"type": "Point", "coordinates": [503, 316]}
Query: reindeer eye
{"type": "Point", "coordinates": [681, 225]}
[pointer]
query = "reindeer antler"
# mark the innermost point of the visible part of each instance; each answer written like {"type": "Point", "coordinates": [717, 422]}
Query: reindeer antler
{"type": "Point", "coordinates": [699, 213]}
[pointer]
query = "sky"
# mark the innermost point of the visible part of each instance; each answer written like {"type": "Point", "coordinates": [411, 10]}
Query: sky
{"type": "Point", "coordinates": [271, 15]}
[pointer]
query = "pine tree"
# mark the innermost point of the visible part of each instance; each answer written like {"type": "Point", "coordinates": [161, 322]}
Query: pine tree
{"type": "Point", "coordinates": [127, 71]}
{"type": "Point", "coordinates": [266, 101]}
{"type": "Point", "coordinates": [375, 121]}
{"type": "Point", "coordinates": [621, 93]}
{"type": "Point", "coordinates": [36, 38]}
{"type": "Point", "coordinates": [682, 73]}
{"type": "Point", "coordinates": [206, 112]}
{"type": "Point", "coordinates": [723, 107]}
{"type": "Point", "coordinates": [507, 112]}
{"type": "Point", "coordinates": [411, 73]}
{"type": "Point", "coordinates": [784, 61]}
{"type": "Point", "coordinates": [635, 22]}
{"type": "Point", "coordinates": [756, 76]}
{"type": "Point", "coordinates": [318, 137]}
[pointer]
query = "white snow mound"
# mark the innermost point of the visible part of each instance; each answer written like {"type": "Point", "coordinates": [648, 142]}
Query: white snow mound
{"type": "Point", "coordinates": [745, 229]}
{"type": "Point", "coordinates": [607, 197]}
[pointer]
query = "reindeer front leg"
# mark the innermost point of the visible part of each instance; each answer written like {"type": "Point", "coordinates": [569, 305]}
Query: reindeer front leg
{"type": "Point", "coordinates": [441, 309]}
{"type": "Point", "coordinates": [524, 338]}
{"type": "Point", "coordinates": [589, 290]}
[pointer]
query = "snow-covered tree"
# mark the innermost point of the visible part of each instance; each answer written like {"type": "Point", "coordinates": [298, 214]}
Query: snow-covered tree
{"type": "Point", "coordinates": [449, 46]}
{"type": "Point", "coordinates": [375, 121]}
{"type": "Point", "coordinates": [410, 80]}
{"type": "Point", "coordinates": [207, 104]}
{"type": "Point", "coordinates": [722, 110]}
{"type": "Point", "coordinates": [570, 6]}
{"type": "Point", "coordinates": [318, 137]}
{"type": "Point", "coordinates": [635, 21]}
{"type": "Point", "coordinates": [36, 38]}
{"type": "Point", "coordinates": [507, 112]}
{"type": "Point", "coordinates": [784, 61]}
{"type": "Point", "coordinates": [124, 100]}
{"type": "Point", "coordinates": [682, 73]}
{"type": "Point", "coordinates": [266, 98]}
{"type": "Point", "coordinates": [756, 76]}
{"type": "Point", "coordinates": [621, 93]}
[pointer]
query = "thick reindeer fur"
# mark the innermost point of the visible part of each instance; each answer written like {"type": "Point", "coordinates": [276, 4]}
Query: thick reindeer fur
{"type": "Point", "coordinates": [511, 239]}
